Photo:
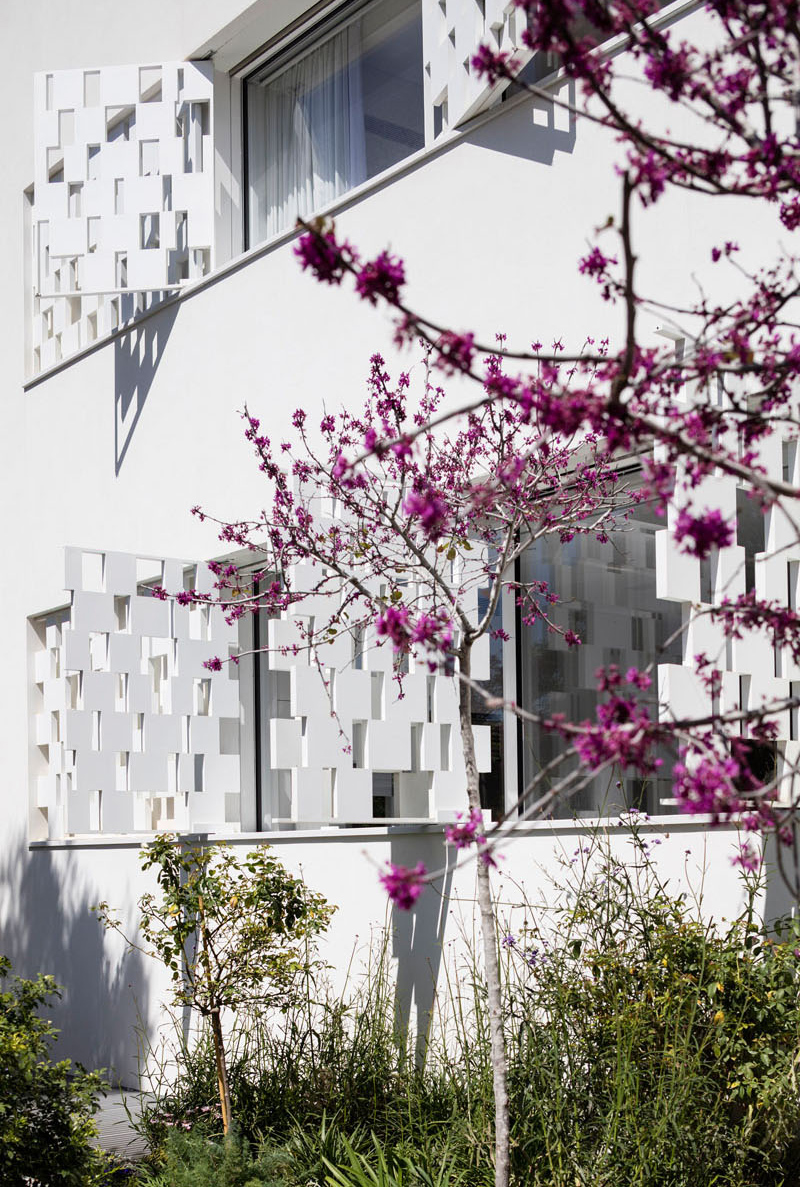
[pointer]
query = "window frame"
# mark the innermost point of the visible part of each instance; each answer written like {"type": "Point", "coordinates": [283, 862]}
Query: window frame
{"type": "Point", "coordinates": [282, 52]}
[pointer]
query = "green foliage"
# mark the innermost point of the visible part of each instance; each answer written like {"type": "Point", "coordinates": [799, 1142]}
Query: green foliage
{"type": "Point", "coordinates": [230, 931]}
{"type": "Point", "coordinates": [646, 1048]}
{"type": "Point", "coordinates": [384, 1170]}
{"type": "Point", "coordinates": [651, 1048]}
{"type": "Point", "coordinates": [327, 1069]}
{"type": "Point", "coordinates": [258, 919]}
{"type": "Point", "coordinates": [387, 1169]}
{"type": "Point", "coordinates": [192, 1160]}
{"type": "Point", "coordinates": [45, 1108]}
{"type": "Point", "coordinates": [313, 1151]}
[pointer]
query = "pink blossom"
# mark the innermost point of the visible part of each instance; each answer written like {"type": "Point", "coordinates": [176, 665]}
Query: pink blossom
{"type": "Point", "coordinates": [464, 834]}
{"type": "Point", "coordinates": [321, 253]}
{"type": "Point", "coordinates": [703, 533]}
{"type": "Point", "coordinates": [382, 277]}
{"type": "Point", "coordinates": [638, 679]}
{"type": "Point", "coordinates": [455, 351]}
{"type": "Point", "coordinates": [434, 631]}
{"type": "Point", "coordinates": [403, 885]}
{"type": "Point", "coordinates": [430, 509]}
{"type": "Point", "coordinates": [393, 622]}
{"type": "Point", "coordinates": [669, 70]}
{"type": "Point", "coordinates": [491, 65]}
{"type": "Point", "coordinates": [747, 858]}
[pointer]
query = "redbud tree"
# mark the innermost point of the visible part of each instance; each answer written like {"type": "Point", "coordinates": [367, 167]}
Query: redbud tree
{"type": "Point", "coordinates": [398, 545]}
{"type": "Point", "coordinates": [426, 507]}
{"type": "Point", "coordinates": [712, 412]}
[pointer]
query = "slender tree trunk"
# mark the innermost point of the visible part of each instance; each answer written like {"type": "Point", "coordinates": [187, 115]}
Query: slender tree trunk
{"type": "Point", "coordinates": [489, 940]}
{"type": "Point", "coordinates": [222, 1070]}
{"type": "Point", "coordinates": [216, 1024]}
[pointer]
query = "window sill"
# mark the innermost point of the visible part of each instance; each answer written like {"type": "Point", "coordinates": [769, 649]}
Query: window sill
{"type": "Point", "coordinates": [616, 827]}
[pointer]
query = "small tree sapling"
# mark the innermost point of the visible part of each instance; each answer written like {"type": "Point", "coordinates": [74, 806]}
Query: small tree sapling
{"type": "Point", "coordinates": [230, 931]}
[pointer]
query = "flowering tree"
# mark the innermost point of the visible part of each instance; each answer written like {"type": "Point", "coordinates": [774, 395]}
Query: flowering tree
{"type": "Point", "coordinates": [718, 408]}
{"type": "Point", "coordinates": [399, 547]}
{"type": "Point", "coordinates": [737, 98]}
{"type": "Point", "coordinates": [428, 512]}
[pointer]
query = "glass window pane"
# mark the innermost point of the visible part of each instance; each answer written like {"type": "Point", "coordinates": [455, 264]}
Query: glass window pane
{"type": "Point", "coordinates": [608, 597]}
{"type": "Point", "coordinates": [333, 115]}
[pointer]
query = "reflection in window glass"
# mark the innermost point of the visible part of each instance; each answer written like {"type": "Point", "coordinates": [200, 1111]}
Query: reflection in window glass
{"type": "Point", "coordinates": [608, 596]}
{"type": "Point", "coordinates": [750, 533]}
{"type": "Point", "coordinates": [333, 113]}
{"type": "Point", "coordinates": [492, 783]}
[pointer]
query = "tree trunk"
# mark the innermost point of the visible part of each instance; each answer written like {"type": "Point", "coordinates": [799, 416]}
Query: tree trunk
{"type": "Point", "coordinates": [489, 940]}
{"type": "Point", "coordinates": [216, 1023]}
{"type": "Point", "coordinates": [222, 1070]}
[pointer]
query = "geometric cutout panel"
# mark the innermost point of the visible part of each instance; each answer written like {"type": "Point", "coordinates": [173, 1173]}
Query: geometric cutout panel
{"type": "Point", "coordinates": [362, 748]}
{"type": "Point", "coordinates": [452, 30]}
{"type": "Point", "coordinates": [123, 207]}
{"type": "Point", "coordinates": [130, 733]}
{"type": "Point", "coordinates": [764, 559]}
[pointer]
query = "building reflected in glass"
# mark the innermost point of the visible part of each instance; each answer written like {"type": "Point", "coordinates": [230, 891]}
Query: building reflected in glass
{"type": "Point", "coordinates": [607, 595]}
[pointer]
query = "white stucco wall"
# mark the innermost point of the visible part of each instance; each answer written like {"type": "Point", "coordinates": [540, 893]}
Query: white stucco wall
{"type": "Point", "coordinates": [111, 994]}
{"type": "Point", "coordinates": [490, 227]}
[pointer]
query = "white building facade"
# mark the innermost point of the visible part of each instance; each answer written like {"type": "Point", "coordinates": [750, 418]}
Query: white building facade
{"type": "Point", "coordinates": [154, 170]}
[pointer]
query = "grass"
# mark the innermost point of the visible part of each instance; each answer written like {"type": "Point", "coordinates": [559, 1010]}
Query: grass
{"type": "Point", "coordinates": [645, 1049]}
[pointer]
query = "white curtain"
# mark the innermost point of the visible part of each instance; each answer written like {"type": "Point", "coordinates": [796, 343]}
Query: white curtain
{"type": "Point", "coordinates": [306, 135]}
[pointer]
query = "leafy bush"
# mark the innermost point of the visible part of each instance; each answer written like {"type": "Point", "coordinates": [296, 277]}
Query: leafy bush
{"type": "Point", "coordinates": [387, 1169]}
{"type": "Point", "coordinates": [327, 1071]}
{"type": "Point", "coordinates": [646, 1048]}
{"type": "Point", "coordinates": [230, 931]}
{"type": "Point", "coordinates": [45, 1108]}
{"type": "Point", "coordinates": [652, 1048]}
{"type": "Point", "coordinates": [192, 1160]}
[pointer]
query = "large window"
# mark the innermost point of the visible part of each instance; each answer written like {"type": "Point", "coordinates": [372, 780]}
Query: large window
{"type": "Point", "coordinates": [333, 111]}
{"type": "Point", "coordinates": [608, 593]}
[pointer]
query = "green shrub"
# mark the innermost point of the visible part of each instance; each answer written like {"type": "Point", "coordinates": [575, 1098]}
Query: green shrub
{"type": "Point", "coordinates": [646, 1048]}
{"type": "Point", "coordinates": [651, 1048]}
{"type": "Point", "coordinates": [194, 1160]}
{"type": "Point", "coordinates": [231, 931]}
{"type": "Point", "coordinates": [45, 1108]}
{"type": "Point", "coordinates": [387, 1169]}
{"type": "Point", "coordinates": [327, 1070]}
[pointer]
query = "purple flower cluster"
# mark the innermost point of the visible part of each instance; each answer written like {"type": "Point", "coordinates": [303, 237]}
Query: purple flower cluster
{"type": "Point", "coordinates": [703, 533]}
{"type": "Point", "coordinates": [393, 623]}
{"type": "Point", "coordinates": [404, 885]}
{"type": "Point", "coordinates": [747, 858]}
{"type": "Point", "coordinates": [382, 277]}
{"type": "Point", "coordinates": [492, 65]}
{"type": "Point", "coordinates": [466, 832]}
{"type": "Point", "coordinates": [704, 784]}
{"type": "Point", "coordinates": [596, 265]}
{"type": "Point", "coordinates": [323, 256]}
{"type": "Point", "coordinates": [430, 509]}
{"type": "Point", "coordinates": [433, 632]}
{"type": "Point", "coordinates": [623, 733]}
{"type": "Point", "coordinates": [456, 351]}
